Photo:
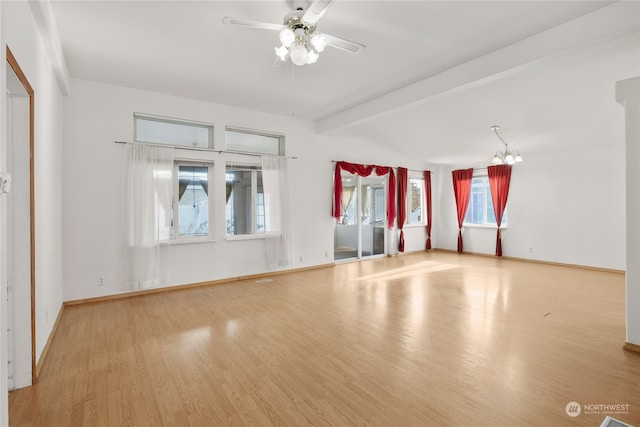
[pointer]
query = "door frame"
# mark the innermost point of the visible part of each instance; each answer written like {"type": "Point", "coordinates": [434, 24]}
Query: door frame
{"type": "Point", "coordinates": [13, 63]}
{"type": "Point", "coordinates": [359, 241]}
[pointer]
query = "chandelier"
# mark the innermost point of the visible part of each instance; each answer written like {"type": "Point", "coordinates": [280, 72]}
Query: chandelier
{"type": "Point", "coordinates": [300, 42]}
{"type": "Point", "coordinates": [506, 157]}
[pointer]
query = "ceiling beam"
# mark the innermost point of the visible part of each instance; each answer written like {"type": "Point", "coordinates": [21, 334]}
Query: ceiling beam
{"type": "Point", "coordinates": [42, 12]}
{"type": "Point", "coordinates": [610, 22]}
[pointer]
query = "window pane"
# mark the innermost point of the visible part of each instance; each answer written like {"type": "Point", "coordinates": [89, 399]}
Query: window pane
{"type": "Point", "coordinates": [480, 209]}
{"type": "Point", "coordinates": [247, 142]}
{"type": "Point", "coordinates": [166, 131]}
{"type": "Point", "coordinates": [415, 198]}
{"type": "Point", "coordinates": [491, 216]}
{"type": "Point", "coordinates": [475, 211]}
{"type": "Point", "coordinates": [378, 204]}
{"type": "Point", "coordinates": [193, 201]}
{"type": "Point", "coordinates": [260, 220]}
{"type": "Point", "coordinates": [245, 210]}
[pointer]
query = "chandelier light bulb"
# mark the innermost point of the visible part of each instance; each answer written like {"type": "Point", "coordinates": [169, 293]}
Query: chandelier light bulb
{"type": "Point", "coordinates": [281, 52]}
{"type": "Point", "coordinates": [496, 160]}
{"type": "Point", "coordinates": [287, 37]}
{"type": "Point", "coordinates": [509, 159]}
{"type": "Point", "coordinates": [299, 54]}
{"type": "Point", "coordinates": [319, 42]}
{"type": "Point", "coordinates": [518, 159]}
{"type": "Point", "coordinates": [313, 57]}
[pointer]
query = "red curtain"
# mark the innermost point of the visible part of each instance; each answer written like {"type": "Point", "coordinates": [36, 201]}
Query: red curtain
{"type": "Point", "coordinates": [462, 191]}
{"type": "Point", "coordinates": [427, 192]}
{"type": "Point", "coordinates": [403, 175]}
{"type": "Point", "coordinates": [499, 179]}
{"type": "Point", "coordinates": [364, 170]}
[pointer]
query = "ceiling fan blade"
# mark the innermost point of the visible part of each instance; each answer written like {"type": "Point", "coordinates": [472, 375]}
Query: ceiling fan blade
{"type": "Point", "coordinates": [229, 20]}
{"type": "Point", "coordinates": [344, 44]}
{"type": "Point", "coordinates": [316, 10]}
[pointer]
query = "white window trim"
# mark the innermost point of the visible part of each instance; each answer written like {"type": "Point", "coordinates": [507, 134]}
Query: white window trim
{"type": "Point", "coordinates": [489, 226]}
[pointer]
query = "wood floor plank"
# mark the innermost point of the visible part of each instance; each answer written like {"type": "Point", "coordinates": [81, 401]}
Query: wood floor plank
{"type": "Point", "coordinates": [426, 339]}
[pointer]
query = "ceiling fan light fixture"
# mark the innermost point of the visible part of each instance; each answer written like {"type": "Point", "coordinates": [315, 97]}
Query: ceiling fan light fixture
{"type": "Point", "coordinates": [312, 57]}
{"type": "Point", "coordinates": [318, 41]}
{"type": "Point", "coordinates": [299, 54]}
{"type": "Point", "coordinates": [287, 37]}
{"type": "Point", "coordinates": [299, 40]}
{"type": "Point", "coordinates": [281, 52]}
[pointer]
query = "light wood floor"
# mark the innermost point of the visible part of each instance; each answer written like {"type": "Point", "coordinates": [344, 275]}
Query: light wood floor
{"type": "Point", "coordinates": [435, 339]}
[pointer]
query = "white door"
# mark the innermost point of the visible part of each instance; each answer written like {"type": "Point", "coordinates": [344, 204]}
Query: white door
{"type": "Point", "coordinates": [17, 230]}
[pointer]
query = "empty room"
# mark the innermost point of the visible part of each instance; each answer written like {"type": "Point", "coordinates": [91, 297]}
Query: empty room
{"type": "Point", "coordinates": [320, 212]}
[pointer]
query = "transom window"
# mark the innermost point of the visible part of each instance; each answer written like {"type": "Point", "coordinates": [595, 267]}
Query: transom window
{"type": "Point", "coordinates": [174, 132]}
{"type": "Point", "coordinates": [255, 142]}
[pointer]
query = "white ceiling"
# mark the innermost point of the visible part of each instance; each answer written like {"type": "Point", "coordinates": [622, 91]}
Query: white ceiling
{"type": "Point", "coordinates": [434, 77]}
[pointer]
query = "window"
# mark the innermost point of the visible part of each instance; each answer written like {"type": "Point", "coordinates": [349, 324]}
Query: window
{"type": "Point", "coordinates": [415, 202]}
{"type": "Point", "coordinates": [247, 141]}
{"type": "Point", "coordinates": [480, 210]}
{"type": "Point", "coordinates": [245, 213]}
{"type": "Point", "coordinates": [191, 216]}
{"type": "Point", "coordinates": [178, 133]}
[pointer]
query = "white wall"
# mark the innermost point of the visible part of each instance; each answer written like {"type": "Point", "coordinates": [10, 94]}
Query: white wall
{"type": "Point", "coordinates": [4, 399]}
{"type": "Point", "coordinates": [20, 33]}
{"type": "Point", "coordinates": [567, 211]}
{"type": "Point", "coordinates": [95, 115]}
{"type": "Point", "coordinates": [628, 94]}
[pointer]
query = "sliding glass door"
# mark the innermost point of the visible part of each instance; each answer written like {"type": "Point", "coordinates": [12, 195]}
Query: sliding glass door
{"type": "Point", "coordinates": [373, 217]}
{"type": "Point", "coordinates": [360, 233]}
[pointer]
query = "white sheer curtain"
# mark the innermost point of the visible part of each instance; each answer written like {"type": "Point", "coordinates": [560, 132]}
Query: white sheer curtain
{"type": "Point", "coordinates": [277, 208]}
{"type": "Point", "coordinates": [146, 221]}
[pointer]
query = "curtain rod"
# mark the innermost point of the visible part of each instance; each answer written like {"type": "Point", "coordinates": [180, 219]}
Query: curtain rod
{"type": "Point", "coordinates": [208, 150]}
{"type": "Point", "coordinates": [395, 167]}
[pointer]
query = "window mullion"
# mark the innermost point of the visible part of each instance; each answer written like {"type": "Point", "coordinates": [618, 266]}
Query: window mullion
{"type": "Point", "coordinates": [254, 201]}
{"type": "Point", "coordinates": [174, 202]}
{"type": "Point", "coordinates": [484, 201]}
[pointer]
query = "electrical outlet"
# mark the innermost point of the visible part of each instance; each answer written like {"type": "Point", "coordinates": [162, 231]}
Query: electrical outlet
{"type": "Point", "coordinates": [301, 258]}
{"type": "Point", "coordinates": [100, 280]}
{"type": "Point", "coordinates": [326, 254]}
{"type": "Point", "coordinates": [530, 250]}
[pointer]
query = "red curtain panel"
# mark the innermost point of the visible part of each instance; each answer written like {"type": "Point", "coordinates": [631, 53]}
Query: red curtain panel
{"type": "Point", "coordinates": [364, 170]}
{"type": "Point", "coordinates": [427, 193]}
{"type": "Point", "coordinates": [499, 180]}
{"type": "Point", "coordinates": [462, 191]}
{"type": "Point", "coordinates": [403, 175]}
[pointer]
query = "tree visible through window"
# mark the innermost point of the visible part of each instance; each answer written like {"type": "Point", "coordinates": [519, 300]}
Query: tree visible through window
{"type": "Point", "coordinates": [415, 201]}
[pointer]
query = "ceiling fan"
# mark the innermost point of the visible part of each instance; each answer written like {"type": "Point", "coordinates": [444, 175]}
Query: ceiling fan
{"type": "Point", "coordinates": [300, 40]}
